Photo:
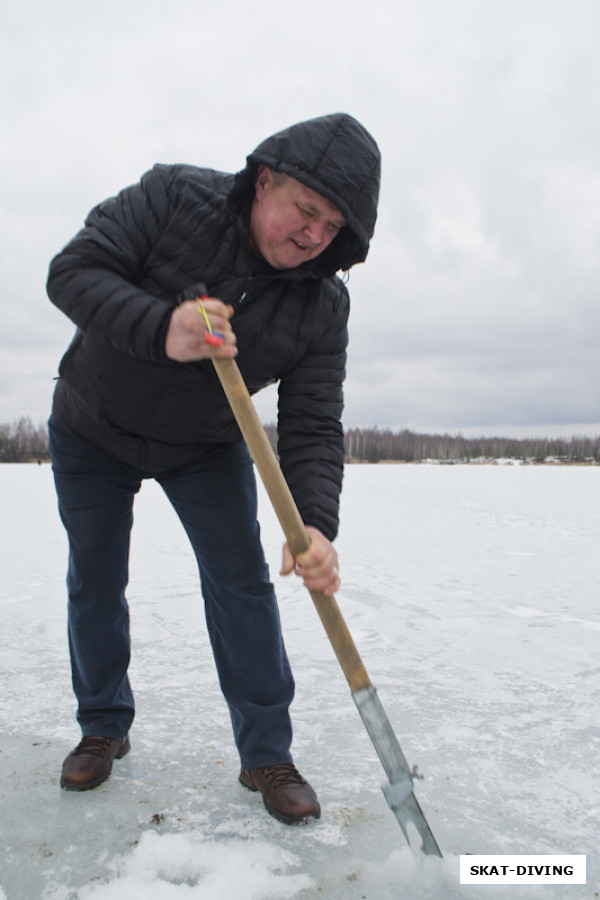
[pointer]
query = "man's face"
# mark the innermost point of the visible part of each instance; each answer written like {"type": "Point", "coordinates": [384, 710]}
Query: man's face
{"type": "Point", "coordinates": [290, 224]}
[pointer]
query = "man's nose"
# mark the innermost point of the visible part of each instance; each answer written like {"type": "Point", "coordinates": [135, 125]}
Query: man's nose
{"type": "Point", "coordinates": [314, 230]}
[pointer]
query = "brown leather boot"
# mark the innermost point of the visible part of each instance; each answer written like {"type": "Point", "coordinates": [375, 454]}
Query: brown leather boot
{"type": "Point", "coordinates": [286, 794]}
{"type": "Point", "coordinates": [90, 763]}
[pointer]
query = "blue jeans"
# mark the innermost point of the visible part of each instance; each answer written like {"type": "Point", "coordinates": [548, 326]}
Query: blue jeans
{"type": "Point", "coordinates": [215, 499]}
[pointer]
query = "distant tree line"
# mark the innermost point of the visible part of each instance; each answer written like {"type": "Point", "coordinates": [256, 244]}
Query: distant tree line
{"type": "Point", "coordinates": [375, 445]}
{"type": "Point", "coordinates": [22, 441]}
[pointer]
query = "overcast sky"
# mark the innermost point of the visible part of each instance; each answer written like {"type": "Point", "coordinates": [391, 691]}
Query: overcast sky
{"type": "Point", "coordinates": [477, 309]}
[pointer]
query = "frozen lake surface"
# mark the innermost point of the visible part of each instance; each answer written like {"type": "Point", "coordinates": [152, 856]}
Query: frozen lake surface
{"type": "Point", "coordinates": [472, 593]}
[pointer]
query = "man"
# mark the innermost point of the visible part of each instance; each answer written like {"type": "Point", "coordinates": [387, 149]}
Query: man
{"type": "Point", "coordinates": [138, 398]}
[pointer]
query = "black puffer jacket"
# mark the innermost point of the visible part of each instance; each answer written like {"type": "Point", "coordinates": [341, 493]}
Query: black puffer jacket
{"type": "Point", "coordinates": [120, 277]}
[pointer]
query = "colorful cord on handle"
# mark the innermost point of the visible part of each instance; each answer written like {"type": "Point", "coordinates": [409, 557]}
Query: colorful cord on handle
{"type": "Point", "coordinates": [211, 337]}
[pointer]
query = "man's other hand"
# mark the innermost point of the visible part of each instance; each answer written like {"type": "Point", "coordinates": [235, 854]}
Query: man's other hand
{"type": "Point", "coordinates": [317, 566]}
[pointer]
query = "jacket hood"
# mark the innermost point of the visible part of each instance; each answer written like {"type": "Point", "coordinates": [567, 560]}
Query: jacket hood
{"type": "Point", "coordinates": [335, 156]}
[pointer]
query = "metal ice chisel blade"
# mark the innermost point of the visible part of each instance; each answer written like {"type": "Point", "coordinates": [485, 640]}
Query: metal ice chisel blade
{"type": "Point", "coordinates": [399, 791]}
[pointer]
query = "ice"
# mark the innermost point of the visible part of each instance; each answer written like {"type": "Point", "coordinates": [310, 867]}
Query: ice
{"type": "Point", "coordinates": [472, 594]}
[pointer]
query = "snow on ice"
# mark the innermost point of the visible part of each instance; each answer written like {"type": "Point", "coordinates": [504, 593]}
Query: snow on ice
{"type": "Point", "coordinates": [472, 594]}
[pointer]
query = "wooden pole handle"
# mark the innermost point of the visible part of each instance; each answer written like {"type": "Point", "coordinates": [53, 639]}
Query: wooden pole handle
{"type": "Point", "coordinates": [399, 793]}
{"type": "Point", "coordinates": [288, 515]}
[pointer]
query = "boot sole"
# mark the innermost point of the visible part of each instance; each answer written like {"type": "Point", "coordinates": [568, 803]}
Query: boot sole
{"type": "Point", "coordinates": [292, 820]}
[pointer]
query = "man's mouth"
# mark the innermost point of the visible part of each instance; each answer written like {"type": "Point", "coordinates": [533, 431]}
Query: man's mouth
{"type": "Point", "coordinates": [300, 246]}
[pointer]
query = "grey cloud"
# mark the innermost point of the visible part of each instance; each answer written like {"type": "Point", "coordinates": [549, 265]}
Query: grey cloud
{"type": "Point", "coordinates": [478, 304]}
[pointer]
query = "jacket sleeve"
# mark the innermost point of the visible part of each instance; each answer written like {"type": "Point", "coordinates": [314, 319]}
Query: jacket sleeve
{"type": "Point", "coordinates": [310, 434]}
{"type": "Point", "coordinates": [93, 279]}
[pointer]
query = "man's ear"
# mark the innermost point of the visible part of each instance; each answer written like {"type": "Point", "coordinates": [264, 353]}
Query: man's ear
{"type": "Point", "coordinates": [263, 179]}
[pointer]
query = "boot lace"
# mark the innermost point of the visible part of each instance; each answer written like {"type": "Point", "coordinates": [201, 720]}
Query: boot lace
{"type": "Point", "coordinates": [94, 746]}
{"type": "Point", "coordinates": [278, 776]}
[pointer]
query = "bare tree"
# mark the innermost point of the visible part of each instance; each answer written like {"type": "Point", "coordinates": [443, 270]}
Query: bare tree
{"type": "Point", "coordinates": [23, 441]}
